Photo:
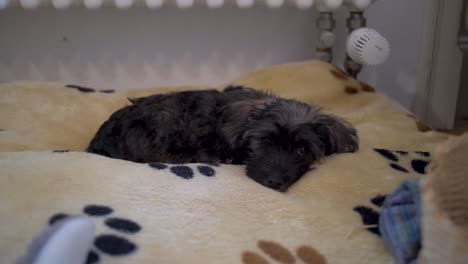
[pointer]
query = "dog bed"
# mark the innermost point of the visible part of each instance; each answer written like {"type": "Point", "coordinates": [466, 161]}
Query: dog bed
{"type": "Point", "coordinates": [204, 213]}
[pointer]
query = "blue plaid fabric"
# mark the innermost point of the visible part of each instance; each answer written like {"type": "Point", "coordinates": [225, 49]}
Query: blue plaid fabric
{"type": "Point", "coordinates": [400, 222]}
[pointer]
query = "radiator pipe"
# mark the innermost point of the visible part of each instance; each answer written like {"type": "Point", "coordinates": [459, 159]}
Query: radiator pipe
{"type": "Point", "coordinates": [326, 25]}
{"type": "Point", "coordinates": [355, 20]}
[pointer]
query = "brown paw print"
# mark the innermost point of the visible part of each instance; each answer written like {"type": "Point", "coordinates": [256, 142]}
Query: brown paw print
{"type": "Point", "coordinates": [422, 127]}
{"type": "Point", "coordinates": [282, 255]}
{"type": "Point", "coordinates": [350, 87]}
{"type": "Point", "coordinates": [340, 74]}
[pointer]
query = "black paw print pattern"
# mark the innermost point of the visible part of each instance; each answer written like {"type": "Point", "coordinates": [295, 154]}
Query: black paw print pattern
{"type": "Point", "coordinates": [87, 89]}
{"type": "Point", "coordinates": [369, 216]}
{"type": "Point", "coordinates": [185, 171]}
{"type": "Point", "coordinates": [180, 170]}
{"type": "Point", "coordinates": [113, 243]}
{"type": "Point", "coordinates": [418, 160]}
{"type": "Point", "coordinates": [60, 151]}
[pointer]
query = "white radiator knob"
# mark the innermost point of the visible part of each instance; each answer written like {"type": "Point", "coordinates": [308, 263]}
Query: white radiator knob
{"type": "Point", "coordinates": [367, 46]}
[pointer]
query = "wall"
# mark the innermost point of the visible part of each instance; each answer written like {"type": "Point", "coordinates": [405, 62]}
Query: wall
{"type": "Point", "coordinates": [136, 48]}
{"type": "Point", "coordinates": [141, 48]}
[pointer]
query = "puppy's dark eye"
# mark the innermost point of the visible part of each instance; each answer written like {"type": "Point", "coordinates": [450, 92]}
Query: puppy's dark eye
{"type": "Point", "coordinates": [301, 151]}
{"type": "Point", "coordinates": [266, 141]}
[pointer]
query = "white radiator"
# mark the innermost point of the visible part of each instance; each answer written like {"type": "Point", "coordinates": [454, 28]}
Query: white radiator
{"type": "Point", "coordinates": [92, 4]}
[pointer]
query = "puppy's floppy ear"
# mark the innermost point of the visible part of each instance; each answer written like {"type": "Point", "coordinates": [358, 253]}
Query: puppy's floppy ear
{"type": "Point", "coordinates": [236, 119]}
{"type": "Point", "coordinates": [337, 135]}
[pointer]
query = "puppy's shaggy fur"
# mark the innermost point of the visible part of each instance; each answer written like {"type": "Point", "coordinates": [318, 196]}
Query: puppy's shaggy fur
{"type": "Point", "coordinates": [278, 139]}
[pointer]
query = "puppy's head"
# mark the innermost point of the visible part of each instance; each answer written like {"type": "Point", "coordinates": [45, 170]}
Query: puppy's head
{"type": "Point", "coordinates": [283, 138]}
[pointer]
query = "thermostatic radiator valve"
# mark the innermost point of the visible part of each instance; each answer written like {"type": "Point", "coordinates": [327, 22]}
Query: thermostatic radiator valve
{"type": "Point", "coordinates": [367, 47]}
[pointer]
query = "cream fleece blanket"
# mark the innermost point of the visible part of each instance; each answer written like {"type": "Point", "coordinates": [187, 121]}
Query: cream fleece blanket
{"type": "Point", "coordinates": [198, 213]}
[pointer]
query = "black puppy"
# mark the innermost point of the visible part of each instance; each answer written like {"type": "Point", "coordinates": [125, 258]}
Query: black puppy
{"type": "Point", "coordinates": [278, 139]}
